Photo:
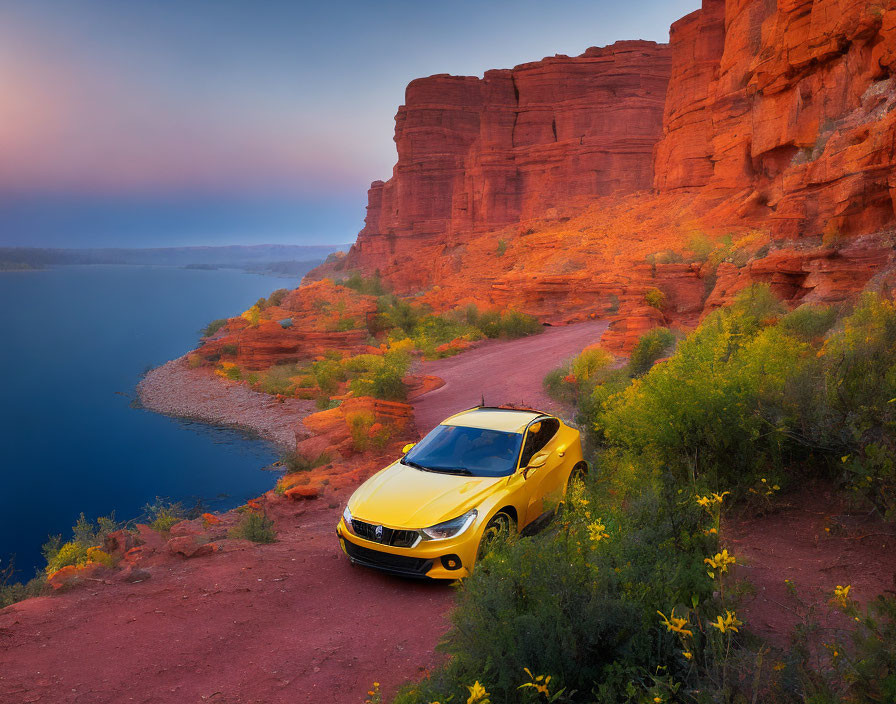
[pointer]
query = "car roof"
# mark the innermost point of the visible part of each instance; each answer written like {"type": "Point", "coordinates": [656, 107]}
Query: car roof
{"type": "Point", "coordinates": [508, 420]}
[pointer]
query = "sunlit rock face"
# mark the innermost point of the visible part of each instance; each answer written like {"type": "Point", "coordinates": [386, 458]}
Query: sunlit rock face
{"type": "Point", "coordinates": [479, 153]}
{"type": "Point", "coordinates": [786, 111]}
{"type": "Point", "coordinates": [570, 187]}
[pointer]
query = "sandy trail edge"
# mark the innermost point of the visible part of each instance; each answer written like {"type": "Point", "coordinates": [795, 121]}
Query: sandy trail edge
{"type": "Point", "coordinates": [176, 390]}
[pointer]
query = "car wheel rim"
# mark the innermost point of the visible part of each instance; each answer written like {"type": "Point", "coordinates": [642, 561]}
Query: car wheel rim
{"type": "Point", "coordinates": [499, 526]}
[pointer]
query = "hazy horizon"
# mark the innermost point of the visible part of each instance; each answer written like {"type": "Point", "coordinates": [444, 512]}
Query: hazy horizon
{"type": "Point", "coordinates": [197, 123]}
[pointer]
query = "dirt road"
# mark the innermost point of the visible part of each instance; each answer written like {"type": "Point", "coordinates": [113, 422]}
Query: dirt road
{"type": "Point", "coordinates": [502, 372]}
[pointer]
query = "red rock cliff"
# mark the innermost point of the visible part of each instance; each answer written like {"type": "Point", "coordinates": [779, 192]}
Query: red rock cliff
{"type": "Point", "coordinates": [776, 133]}
{"type": "Point", "coordinates": [785, 111]}
{"type": "Point", "coordinates": [475, 154]}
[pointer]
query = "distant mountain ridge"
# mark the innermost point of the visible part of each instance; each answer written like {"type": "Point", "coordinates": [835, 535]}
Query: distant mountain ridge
{"type": "Point", "coordinates": [238, 256]}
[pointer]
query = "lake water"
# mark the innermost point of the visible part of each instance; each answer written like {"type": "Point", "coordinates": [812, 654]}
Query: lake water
{"type": "Point", "coordinates": [75, 342]}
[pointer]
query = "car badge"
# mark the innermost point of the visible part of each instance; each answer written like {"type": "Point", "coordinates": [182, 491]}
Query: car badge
{"type": "Point", "coordinates": [378, 533]}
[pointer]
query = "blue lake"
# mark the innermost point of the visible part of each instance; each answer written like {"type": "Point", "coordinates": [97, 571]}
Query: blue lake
{"type": "Point", "coordinates": [75, 342]}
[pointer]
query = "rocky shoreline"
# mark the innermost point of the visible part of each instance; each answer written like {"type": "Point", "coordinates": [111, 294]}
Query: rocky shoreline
{"type": "Point", "coordinates": [176, 390]}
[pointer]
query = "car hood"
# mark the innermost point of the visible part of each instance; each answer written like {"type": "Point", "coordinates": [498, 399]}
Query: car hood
{"type": "Point", "coordinates": [404, 497]}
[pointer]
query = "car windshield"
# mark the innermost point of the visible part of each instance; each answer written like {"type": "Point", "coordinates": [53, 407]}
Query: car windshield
{"type": "Point", "coordinates": [474, 451]}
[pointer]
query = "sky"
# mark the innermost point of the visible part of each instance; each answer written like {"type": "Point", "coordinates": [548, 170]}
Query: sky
{"type": "Point", "coordinates": [176, 122]}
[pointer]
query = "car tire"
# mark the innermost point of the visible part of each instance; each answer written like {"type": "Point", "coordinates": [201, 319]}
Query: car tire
{"type": "Point", "coordinates": [578, 473]}
{"type": "Point", "coordinates": [499, 526]}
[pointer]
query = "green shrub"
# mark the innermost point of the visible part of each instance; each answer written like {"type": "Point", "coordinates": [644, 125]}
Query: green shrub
{"type": "Point", "coordinates": [12, 592]}
{"type": "Point", "coordinates": [359, 425]}
{"type": "Point", "coordinates": [432, 331]}
{"type": "Point", "coordinates": [579, 601]}
{"type": "Point", "coordinates": [363, 363]}
{"type": "Point", "coordinates": [70, 553]}
{"type": "Point", "coordinates": [276, 298]}
{"type": "Point", "coordinates": [86, 535]}
{"type": "Point", "coordinates": [385, 381]}
{"type": "Point", "coordinates": [590, 362]}
{"type": "Point", "coordinates": [717, 407]}
{"type": "Point", "coordinates": [501, 249]}
{"type": "Point", "coordinates": [655, 298]}
{"type": "Point", "coordinates": [396, 313]}
{"type": "Point", "coordinates": [254, 526]}
{"type": "Point", "coordinates": [701, 246]}
{"type": "Point", "coordinates": [161, 514]}
{"type": "Point", "coordinates": [651, 346]}
{"type": "Point", "coordinates": [346, 324]}
{"type": "Point", "coordinates": [372, 286]}
{"type": "Point", "coordinates": [809, 321]}
{"type": "Point", "coordinates": [229, 350]}
{"type": "Point", "coordinates": [854, 414]}
{"type": "Point", "coordinates": [559, 385]}
{"type": "Point", "coordinates": [327, 374]}
{"type": "Point", "coordinates": [510, 324]}
{"type": "Point", "coordinates": [297, 462]}
{"type": "Point", "coordinates": [213, 327]}
{"type": "Point", "coordinates": [576, 378]}
{"type": "Point", "coordinates": [280, 379]}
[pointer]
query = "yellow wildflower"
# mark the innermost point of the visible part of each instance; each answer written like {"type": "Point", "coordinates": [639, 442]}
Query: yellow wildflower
{"type": "Point", "coordinates": [779, 666]}
{"type": "Point", "coordinates": [703, 501]}
{"type": "Point", "coordinates": [717, 498]}
{"type": "Point", "coordinates": [720, 561]}
{"type": "Point", "coordinates": [841, 594]}
{"type": "Point", "coordinates": [688, 655]}
{"type": "Point", "coordinates": [539, 683]}
{"type": "Point", "coordinates": [597, 531]}
{"type": "Point", "coordinates": [658, 700]}
{"type": "Point", "coordinates": [675, 624]}
{"type": "Point", "coordinates": [729, 623]}
{"type": "Point", "coordinates": [477, 694]}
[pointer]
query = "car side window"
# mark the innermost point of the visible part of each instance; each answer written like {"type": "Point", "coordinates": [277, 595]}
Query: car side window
{"type": "Point", "coordinates": [536, 439]}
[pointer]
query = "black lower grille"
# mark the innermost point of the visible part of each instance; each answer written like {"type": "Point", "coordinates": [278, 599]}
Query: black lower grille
{"type": "Point", "coordinates": [397, 564]}
{"type": "Point", "coordinates": [388, 536]}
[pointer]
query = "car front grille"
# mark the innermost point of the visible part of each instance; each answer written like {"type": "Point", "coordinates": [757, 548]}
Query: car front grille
{"type": "Point", "coordinates": [394, 537]}
{"type": "Point", "coordinates": [396, 564]}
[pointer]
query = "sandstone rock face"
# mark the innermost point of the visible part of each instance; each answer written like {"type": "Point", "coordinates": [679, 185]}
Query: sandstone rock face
{"type": "Point", "coordinates": [475, 154]}
{"type": "Point", "coordinates": [524, 189]}
{"type": "Point", "coordinates": [814, 275]}
{"type": "Point", "coordinates": [786, 111]}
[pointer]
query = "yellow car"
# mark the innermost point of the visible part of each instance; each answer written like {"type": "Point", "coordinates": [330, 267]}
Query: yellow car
{"type": "Point", "coordinates": [479, 473]}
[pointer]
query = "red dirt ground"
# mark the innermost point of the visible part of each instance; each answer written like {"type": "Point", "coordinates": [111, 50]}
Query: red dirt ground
{"type": "Point", "coordinates": [792, 543]}
{"type": "Point", "coordinates": [291, 622]}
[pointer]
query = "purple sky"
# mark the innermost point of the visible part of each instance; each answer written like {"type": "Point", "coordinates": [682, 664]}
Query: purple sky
{"type": "Point", "coordinates": [219, 122]}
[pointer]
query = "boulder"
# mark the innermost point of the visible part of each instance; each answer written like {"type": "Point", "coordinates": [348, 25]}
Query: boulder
{"type": "Point", "coordinates": [303, 491]}
{"type": "Point", "coordinates": [120, 542]}
{"type": "Point", "coordinates": [190, 546]}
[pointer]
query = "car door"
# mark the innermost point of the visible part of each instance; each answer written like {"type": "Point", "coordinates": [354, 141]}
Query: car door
{"type": "Point", "coordinates": [543, 484]}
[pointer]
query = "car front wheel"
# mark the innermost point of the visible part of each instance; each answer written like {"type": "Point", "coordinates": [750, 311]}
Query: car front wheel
{"type": "Point", "coordinates": [577, 474]}
{"type": "Point", "coordinates": [499, 527]}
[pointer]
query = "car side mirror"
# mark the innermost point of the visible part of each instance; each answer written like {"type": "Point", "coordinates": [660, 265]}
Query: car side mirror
{"type": "Point", "coordinates": [537, 461]}
{"type": "Point", "coordinates": [407, 448]}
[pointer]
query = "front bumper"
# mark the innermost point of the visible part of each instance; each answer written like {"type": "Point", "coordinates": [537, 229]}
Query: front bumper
{"type": "Point", "coordinates": [424, 560]}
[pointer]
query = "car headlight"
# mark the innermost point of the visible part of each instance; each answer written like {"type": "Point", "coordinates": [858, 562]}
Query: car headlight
{"type": "Point", "coordinates": [450, 529]}
{"type": "Point", "coordinates": [347, 517]}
